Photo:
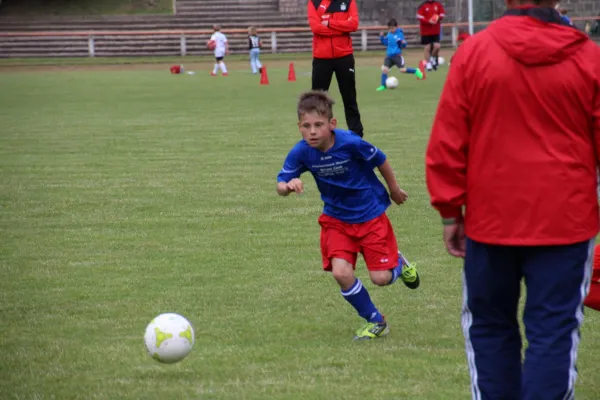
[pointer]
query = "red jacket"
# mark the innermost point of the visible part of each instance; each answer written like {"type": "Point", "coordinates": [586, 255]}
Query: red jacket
{"type": "Point", "coordinates": [332, 41]}
{"type": "Point", "coordinates": [516, 138]}
{"type": "Point", "coordinates": [426, 11]}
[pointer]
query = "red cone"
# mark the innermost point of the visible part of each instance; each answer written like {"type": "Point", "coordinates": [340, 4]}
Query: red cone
{"type": "Point", "coordinates": [264, 78]}
{"type": "Point", "coordinates": [292, 73]}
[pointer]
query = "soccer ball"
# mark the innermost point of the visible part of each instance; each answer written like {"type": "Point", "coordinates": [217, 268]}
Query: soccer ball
{"type": "Point", "coordinates": [441, 61]}
{"type": "Point", "coordinates": [169, 338]}
{"type": "Point", "coordinates": [211, 44]}
{"type": "Point", "coordinates": [391, 82]}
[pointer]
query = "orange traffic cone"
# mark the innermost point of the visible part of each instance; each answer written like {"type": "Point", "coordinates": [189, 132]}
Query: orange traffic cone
{"type": "Point", "coordinates": [264, 78]}
{"type": "Point", "coordinates": [292, 73]}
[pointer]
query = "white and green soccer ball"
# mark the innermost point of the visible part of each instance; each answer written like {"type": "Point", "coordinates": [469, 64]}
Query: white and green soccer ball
{"type": "Point", "coordinates": [391, 82]}
{"type": "Point", "coordinates": [169, 338]}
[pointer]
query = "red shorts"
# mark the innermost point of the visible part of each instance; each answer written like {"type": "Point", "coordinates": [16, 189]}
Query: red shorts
{"type": "Point", "coordinates": [593, 298]}
{"type": "Point", "coordinates": [374, 239]}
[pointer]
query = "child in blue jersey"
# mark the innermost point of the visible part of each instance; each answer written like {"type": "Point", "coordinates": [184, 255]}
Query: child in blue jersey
{"type": "Point", "coordinates": [353, 219]}
{"type": "Point", "coordinates": [563, 15]}
{"type": "Point", "coordinates": [394, 41]}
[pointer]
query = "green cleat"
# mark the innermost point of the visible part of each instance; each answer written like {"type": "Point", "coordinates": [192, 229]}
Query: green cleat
{"type": "Point", "coordinates": [372, 330]}
{"type": "Point", "coordinates": [380, 88]}
{"type": "Point", "coordinates": [419, 74]}
{"type": "Point", "coordinates": [409, 276]}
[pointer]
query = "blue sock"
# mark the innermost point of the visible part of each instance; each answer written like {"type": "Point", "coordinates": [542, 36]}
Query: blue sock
{"type": "Point", "coordinates": [383, 79]}
{"type": "Point", "coordinates": [359, 298]}
{"type": "Point", "coordinates": [411, 70]}
{"type": "Point", "coordinates": [396, 272]}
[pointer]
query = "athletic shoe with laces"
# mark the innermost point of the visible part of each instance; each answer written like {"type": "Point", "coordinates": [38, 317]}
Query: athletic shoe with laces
{"type": "Point", "coordinates": [372, 330]}
{"type": "Point", "coordinates": [409, 276]}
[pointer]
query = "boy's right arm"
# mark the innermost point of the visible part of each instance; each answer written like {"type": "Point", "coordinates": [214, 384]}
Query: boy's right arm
{"type": "Point", "coordinates": [288, 178]}
{"type": "Point", "coordinates": [383, 39]}
{"type": "Point", "coordinates": [295, 185]}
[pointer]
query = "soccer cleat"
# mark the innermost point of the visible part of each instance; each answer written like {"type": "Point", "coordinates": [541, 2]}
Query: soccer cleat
{"type": "Point", "coordinates": [419, 74]}
{"type": "Point", "coordinates": [213, 74]}
{"type": "Point", "coordinates": [225, 74]}
{"type": "Point", "coordinates": [380, 88]}
{"type": "Point", "coordinates": [372, 330]}
{"type": "Point", "coordinates": [409, 276]}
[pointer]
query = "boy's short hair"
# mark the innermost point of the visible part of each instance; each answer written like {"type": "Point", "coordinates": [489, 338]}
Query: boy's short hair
{"type": "Point", "coordinates": [315, 101]}
{"type": "Point", "coordinates": [392, 22]}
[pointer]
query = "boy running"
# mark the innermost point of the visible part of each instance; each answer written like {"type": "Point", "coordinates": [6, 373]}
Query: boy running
{"type": "Point", "coordinates": [221, 49]}
{"type": "Point", "coordinates": [353, 219]}
{"type": "Point", "coordinates": [394, 41]}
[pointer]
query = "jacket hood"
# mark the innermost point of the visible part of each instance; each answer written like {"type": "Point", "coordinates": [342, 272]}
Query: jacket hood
{"type": "Point", "coordinates": [536, 36]}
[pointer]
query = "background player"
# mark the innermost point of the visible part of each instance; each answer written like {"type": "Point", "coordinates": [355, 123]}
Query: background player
{"type": "Point", "coordinates": [221, 47]}
{"type": "Point", "coordinates": [254, 45]}
{"type": "Point", "coordinates": [430, 15]}
{"type": "Point", "coordinates": [593, 298]}
{"type": "Point", "coordinates": [394, 41]}
{"type": "Point", "coordinates": [353, 218]}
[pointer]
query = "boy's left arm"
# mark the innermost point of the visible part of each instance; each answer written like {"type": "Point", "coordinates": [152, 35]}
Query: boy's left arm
{"type": "Point", "coordinates": [442, 12]}
{"type": "Point", "coordinates": [398, 195]}
{"type": "Point", "coordinates": [350, 24]}
{"type": "Point", "coordinates": [377, 158]}
{"type": "Point", "coordinates": [401, 40]}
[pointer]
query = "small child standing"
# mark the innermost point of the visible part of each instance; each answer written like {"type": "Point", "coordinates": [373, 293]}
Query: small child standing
{"type": "Point", "coordinates": [354, 219]}
{"type": "Point", "coordinates": [394, 41]}
{"type": "Point", "coordinates": [254, 46]}
{"type": "Point", "coordinates": [221, 47]}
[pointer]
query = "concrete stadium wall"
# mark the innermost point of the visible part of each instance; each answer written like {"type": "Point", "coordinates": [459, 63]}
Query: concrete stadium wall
{"type": "Point", "coordinates": [379, 11]}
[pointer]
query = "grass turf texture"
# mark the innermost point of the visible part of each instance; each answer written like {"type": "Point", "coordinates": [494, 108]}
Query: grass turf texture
{"type": "Point", "coordinates": [127, 193]}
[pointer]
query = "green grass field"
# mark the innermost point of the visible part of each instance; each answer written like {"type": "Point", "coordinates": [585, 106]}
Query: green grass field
{"type": "Point", "coordinates": [128, 192]}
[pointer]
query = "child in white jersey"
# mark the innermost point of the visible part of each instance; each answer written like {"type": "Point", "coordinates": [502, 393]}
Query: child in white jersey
{"type": "Point", "coordinates": [221, 48]}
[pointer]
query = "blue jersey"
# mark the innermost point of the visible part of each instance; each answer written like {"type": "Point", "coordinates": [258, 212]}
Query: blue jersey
{"type": "Point", "coordinates": [393, 41]}
{"type": "Point", "coordinates": [566, 19]}
{"type": "Point", "coordinates": [344, 175]}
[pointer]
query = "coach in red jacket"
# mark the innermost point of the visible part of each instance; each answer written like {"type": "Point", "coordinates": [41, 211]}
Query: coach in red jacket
{"type": "Point", "coordinates": [515, 145]}
{"type": "Point", "coordinates": [331, 22]}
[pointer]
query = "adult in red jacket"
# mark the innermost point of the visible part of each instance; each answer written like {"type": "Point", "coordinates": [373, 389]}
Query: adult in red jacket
{"type": "Point", "coordinates": [331, 22]}
{"type": "Point", "coordinates": [430, 15]}
{"type": "Point", "coordinates": [516, 143]}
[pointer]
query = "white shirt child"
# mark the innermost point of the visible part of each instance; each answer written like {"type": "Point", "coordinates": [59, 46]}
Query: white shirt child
{"type": "Point", "coordinates": [220, 41]}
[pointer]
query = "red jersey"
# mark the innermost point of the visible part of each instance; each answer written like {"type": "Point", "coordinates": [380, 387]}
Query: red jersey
{"type": "Point", "coordinates": [332, 41]}
{"type": "Point", "coordinates": [462, 37]}
{"type": "Point", "coordinates": [516, 137]}
{"type": "Point", "coordinates": [427, 12]}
